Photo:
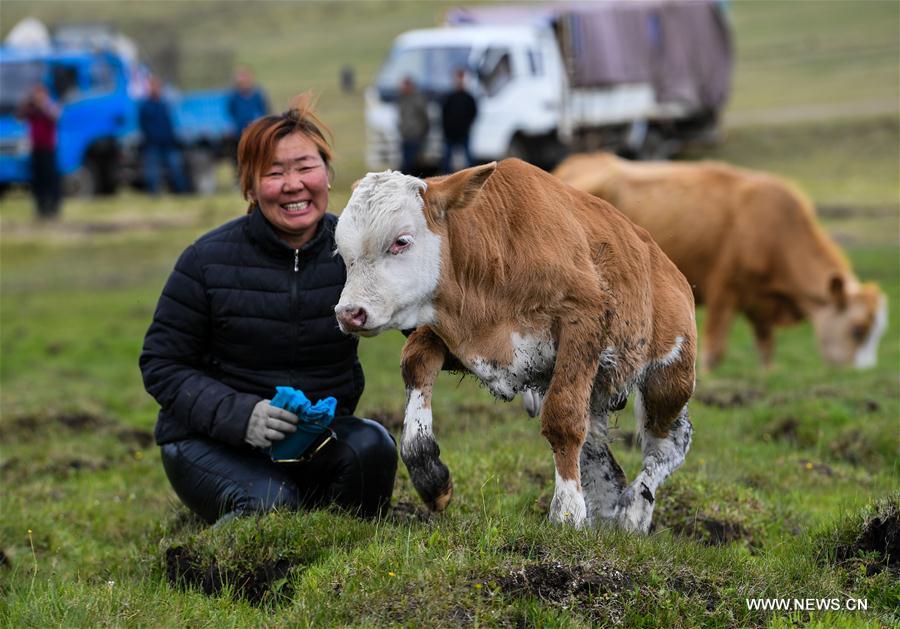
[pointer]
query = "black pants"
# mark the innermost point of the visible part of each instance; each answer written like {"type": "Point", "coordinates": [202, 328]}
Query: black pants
{"type": "Point", "coordinates": [45, 182]}
{"type": "Point", "coordinates": [355, 471]}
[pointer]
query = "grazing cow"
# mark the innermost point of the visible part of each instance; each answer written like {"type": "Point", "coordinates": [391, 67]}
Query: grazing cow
{"type": "Point", "coordinates": [747, 243]}
{"type": "Point", "coordinates": [539, 289]}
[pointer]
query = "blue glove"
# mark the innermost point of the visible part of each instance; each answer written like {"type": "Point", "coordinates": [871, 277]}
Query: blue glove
{"type": "Point", "coordinates": [313, 420]}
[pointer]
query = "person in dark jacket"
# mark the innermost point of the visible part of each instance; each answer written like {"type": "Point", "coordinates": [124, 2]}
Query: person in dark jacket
{"type": "Point", "coordinates": [250, 306]}
{"type": "Point", "coordinates": [246, 101]}
{"type": "Point", "coordinates": [458, 113]}
{"type": "Point", "coordinates": [161, 148]}
{"type": "Point", "coordinates": [42, 115]}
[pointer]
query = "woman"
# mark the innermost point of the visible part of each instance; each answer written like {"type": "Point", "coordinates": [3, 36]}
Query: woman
{"type": "Point", "coordinates": [249, 307]}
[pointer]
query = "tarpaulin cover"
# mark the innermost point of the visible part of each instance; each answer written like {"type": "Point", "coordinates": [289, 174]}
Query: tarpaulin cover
{"type": "Point", "coordinates": [681, 47]}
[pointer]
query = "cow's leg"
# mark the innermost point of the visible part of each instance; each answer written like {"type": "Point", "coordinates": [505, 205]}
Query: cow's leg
{"type": "Point", "coordinates": [765, 340]}
{"type": "Point", "coordinates": [602, 479]}
{"type": "Point", "coordinates": [720, 309]}
{"type": "Point", "coordinates": [421, 362]}
{"type": "Point", "coordinates": [565, 409]}
{"type": "Point", "coordinates": [664, 428]}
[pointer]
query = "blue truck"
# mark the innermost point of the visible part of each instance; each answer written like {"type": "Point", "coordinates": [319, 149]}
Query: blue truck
{"type": "Point", "coordinates": [98, 137]}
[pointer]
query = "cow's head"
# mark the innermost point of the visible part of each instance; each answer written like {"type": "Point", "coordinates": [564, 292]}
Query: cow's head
{"type": "Point", "coordinates": [850, 326]}
{"type": "Point", "coordinates": [392, 254]}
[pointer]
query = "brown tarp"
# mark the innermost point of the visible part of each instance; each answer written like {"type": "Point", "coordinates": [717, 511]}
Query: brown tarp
{"type": "Point", "coordinates": [682, 47]}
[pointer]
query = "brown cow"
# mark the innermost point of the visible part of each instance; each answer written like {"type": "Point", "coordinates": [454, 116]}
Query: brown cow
{"type": "Point", "coordinates": [747, 243]}
{"type": "Point", "coordinates": [535, 287]}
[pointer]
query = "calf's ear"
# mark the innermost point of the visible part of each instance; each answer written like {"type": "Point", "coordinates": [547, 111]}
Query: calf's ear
{"type": "Point", "coordinates": [838, 291]}
{"type": "Point", "coordinates": [445, 194]}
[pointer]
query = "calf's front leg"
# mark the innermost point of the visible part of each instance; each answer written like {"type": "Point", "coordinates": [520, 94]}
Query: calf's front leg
{"type": "Point", "coordinates": [423, 355]}
{"type": "Point", "coordinates": [564, 415]}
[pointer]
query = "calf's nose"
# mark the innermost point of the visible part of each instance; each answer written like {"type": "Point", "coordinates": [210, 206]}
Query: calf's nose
{"type": "Point", "coordinates": [351, 317]}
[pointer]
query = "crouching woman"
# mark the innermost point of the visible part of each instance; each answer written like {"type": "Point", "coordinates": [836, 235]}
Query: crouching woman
{"type": "Point", "coordinates": [248, 307]}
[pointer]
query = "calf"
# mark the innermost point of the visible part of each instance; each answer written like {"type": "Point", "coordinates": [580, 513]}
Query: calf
{"type": "Point", "coordinates": [747, 243]}
{"type": "Point", "coordinates": [536, 288]}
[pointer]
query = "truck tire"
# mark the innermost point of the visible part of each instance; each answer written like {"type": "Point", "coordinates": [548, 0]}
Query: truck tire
{"type": "Point", "coordinates": [201, 166]}
{"type": "Point", "coordinates": [82, 183]}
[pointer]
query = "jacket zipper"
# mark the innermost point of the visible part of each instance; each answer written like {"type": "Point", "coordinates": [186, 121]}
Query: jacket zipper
{"type": "Point", "coordinates": [296, 324]}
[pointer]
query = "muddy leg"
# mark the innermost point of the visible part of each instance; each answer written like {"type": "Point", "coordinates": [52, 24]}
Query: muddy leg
{"type": "Point", "coordinates": [602, 480]}
{"type": "Point", "coordinates": [662, 456]}
{"type": "Point", "coordinates": [423, 356]}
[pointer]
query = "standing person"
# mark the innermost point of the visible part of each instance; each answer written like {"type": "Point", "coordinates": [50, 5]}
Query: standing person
{"type": "Point", "coordinates": [457, 115]}
{"type": "Point", "coordinates": [161, 150]}
{"type": "Point", "coordinates": [246, 102]}
{"type": "Point", "coordinates": [250, 306]}
{"type": "Point", "coordinates": [412, 115]}
{"type": "Point", "coordinates": [42, 114]}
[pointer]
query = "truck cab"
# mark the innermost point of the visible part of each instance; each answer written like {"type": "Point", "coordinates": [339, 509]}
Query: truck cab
{"type": "Point", "coordinates": [98, 140]}
{"type": "Point", "coordinates": [515, 74]}
{"type": "Point", "coordinates": [91, 88]}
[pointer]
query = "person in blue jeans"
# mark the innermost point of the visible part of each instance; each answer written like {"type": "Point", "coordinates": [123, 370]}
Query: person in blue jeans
{"type": "Point", "coordinates": [458, 113]}
{"type": "Point", "coordinates": [160, 150]}
{"type": "Point", "coordinates": [250, 307]}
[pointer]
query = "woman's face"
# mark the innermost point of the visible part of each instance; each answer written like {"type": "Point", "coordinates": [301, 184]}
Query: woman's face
{"type": "Point", "coordinates": [292, 192]}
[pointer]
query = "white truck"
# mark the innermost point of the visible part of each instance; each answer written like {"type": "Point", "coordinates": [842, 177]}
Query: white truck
{"type": "Point", "coordinates": [640, 77]}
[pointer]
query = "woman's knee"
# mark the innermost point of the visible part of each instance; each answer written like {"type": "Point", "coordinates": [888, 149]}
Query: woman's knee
{"type": "Point", "coordinates": [371, 441]}
{"type": "Point", "coordinates": [213, 480]}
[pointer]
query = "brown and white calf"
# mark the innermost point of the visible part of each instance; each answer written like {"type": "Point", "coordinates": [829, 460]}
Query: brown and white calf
{"type": "Point", "coordinates": [539, 289]}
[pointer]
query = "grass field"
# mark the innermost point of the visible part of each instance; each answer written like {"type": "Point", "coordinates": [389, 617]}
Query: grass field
{"type": "Point", "coordinates": [776, 498]}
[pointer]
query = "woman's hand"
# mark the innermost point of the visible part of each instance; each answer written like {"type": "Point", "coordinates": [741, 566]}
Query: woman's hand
{"type": "Point", "coordinates": [269, 423]}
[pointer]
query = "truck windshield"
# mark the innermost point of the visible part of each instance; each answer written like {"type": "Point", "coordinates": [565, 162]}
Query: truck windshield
{"type": "Point", "coordinates": [431, 69]}
{"type": "Point", "coordinates": [16, 80]}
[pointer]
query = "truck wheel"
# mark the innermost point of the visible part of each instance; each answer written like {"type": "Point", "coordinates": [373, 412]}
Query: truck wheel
{"type": "Point", "coordinates": [202, 168]}
{"type": "Point", "coordinates": [83, 182]}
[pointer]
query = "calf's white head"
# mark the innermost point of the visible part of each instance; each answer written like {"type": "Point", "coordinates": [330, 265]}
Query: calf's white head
{"type": "Point", "coordinates": [393, 257]}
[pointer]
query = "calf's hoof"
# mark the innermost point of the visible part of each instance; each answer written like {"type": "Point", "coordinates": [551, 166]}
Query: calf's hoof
{"type": "Point", "coordinates": [440, 503]}
{"type": "Point", "coordinates": [433, 483]}
{"type": "Point", "coordinates": [568, 508]}
{"type": "Point", "coordinates": [634, 509]}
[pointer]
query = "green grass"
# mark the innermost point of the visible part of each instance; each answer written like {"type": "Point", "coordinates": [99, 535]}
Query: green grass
{"type": "Point", "coordinates": [787, 466]}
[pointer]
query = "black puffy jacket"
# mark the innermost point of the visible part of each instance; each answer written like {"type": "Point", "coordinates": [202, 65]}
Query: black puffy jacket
{"type": "Point", "coordinates": [241, 314]}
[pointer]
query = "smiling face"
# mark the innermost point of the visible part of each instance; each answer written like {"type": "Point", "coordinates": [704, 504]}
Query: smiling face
{"type": "Point", "coordinates": [292, 192]}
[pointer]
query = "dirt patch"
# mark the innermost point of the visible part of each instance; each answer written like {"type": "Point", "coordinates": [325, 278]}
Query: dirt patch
{"type": "Point", "coordinates": [63, 469]}
{"type": "Point", "coordinates": [404, 512]}
{"type": "Point", "coordinates": [728, 398]}
{"type": "Point", "coordinates": [257, 584]}
{"type": "Point", "coordinates": [784, 430]}
{"type": "Point", "coordinates": [711, 531]}
{"type": "Point", "coordinates": [878, 542]}
{"type": "Point", "coordinates": [555, 582]}
{"type": "Point", "coordinates": [136, 436]}
{"type": "Point", "coordinates": [853, 447]}
{"type": "Point", "coordinates": [4, 559]}
{"type": "Point", "coordinates": [819, 468]}
{"type": "Point", "coordinates": [681, 511]}
{"type": "Point", "coordinates": [77, 421]}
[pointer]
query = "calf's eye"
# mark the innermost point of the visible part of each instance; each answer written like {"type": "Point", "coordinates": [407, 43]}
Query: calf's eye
{"type": "Point", "coordinates": [400, 244]}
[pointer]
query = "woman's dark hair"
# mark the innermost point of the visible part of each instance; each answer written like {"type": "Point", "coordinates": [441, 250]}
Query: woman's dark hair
{"type": "Point", "coordinates": [256, 150]}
